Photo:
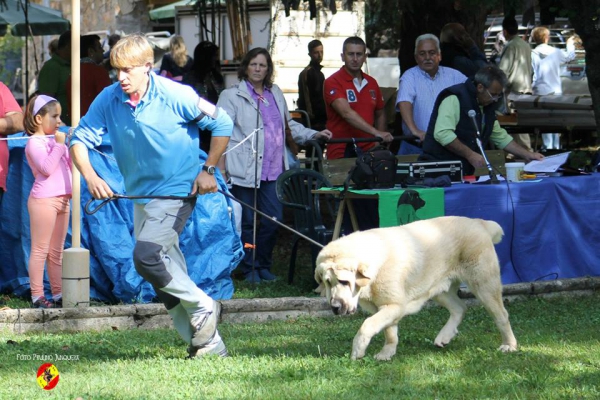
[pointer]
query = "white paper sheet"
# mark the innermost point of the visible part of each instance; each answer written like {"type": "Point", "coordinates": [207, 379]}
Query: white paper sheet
{"type": "Point", "coordinates": [485, 178]}
{"type": "Point", "coordinates": [548, 164]}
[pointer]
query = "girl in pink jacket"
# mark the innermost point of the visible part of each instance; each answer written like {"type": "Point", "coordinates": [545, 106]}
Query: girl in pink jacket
{"type": "Point", "coordinates": [48, 202]}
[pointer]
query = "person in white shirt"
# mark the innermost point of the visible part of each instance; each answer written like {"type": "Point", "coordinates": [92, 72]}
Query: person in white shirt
{"type": "Point", "coordinates": [546, 62]}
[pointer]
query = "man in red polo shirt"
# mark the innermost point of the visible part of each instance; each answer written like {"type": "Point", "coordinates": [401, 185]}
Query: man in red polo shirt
{"type": "Point", "coordinates": [354, 103]}
{"type": "Point", "coordinates": [11, 121]}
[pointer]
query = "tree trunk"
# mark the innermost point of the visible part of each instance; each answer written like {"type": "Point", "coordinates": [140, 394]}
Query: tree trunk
{"type": "Point", "coordinates": [584, 17]}
{"type": "Point", "coordinates": [420, 17]}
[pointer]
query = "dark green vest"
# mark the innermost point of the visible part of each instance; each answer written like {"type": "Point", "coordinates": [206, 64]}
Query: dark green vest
{"type": "Point", "coordinates": [465, 131]}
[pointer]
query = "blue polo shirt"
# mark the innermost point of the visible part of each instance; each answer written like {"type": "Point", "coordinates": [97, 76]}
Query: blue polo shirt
{"type": "Point", "coordinates": [156, 143]}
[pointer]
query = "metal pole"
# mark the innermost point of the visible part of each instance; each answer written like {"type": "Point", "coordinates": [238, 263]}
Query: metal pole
{"type": "Point", "coordinates": [75, 115]}
{"type": "Point", "coordinates": [26, 88]}
{"type": "Point", "coordinates": [255, 218]}
{"type": "Point", "coordinates": [76, 260]}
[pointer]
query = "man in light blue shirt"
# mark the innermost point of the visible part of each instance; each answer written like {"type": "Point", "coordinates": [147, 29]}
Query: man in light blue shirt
{"type": "Point", "coordinates": [418, 88]}
{"type": "Point", "coordinates": [153, 126]}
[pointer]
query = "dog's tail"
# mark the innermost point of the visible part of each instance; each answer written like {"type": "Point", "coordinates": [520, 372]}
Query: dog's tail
{"type": "Point", "coordinates": [494, 230]}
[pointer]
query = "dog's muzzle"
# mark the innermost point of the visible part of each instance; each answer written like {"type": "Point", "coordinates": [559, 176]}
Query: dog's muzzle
{"type": "Point", "coordinates": [339, 308]}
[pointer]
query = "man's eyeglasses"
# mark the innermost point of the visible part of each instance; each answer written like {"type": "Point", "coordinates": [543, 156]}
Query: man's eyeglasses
{"type": "Point", "coordinates": [495, 97]}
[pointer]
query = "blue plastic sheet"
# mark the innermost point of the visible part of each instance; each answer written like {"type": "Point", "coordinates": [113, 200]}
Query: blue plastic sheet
{"type": "Point", "coordinates": [209, 242]}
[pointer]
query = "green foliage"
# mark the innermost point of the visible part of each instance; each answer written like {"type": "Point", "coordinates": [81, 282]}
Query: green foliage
{"type": "Point", "coordinates": [559, 358]}
{"type": "Point", "coordinates": [10, 43]}
{"type": "Point", "coordinates": [304, 281]}
{"type": "Point", "coordinates": [13, 302]}
{"type": "Point", "coordinates": [382, 23]}
{"type": "Point", "coordinates": [10, 54]}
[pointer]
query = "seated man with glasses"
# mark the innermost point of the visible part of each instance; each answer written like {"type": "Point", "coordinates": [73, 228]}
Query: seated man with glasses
{"type": "Point", "coordinates": [451, 134]}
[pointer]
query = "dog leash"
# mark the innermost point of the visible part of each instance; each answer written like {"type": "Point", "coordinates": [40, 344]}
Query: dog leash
{"type": "Point", "coordinates": [115, 197]}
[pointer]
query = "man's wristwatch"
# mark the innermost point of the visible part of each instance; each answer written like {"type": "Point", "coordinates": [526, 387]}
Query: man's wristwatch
{"type": "Point", "coordinates": [211, 169]}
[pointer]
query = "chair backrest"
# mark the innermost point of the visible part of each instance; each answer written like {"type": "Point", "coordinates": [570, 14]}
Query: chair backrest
{"type": "Point", "coordinates": [337, 170]}
{"type": "Point", "coordinates": [313, 155]}
{"type": "Point", "coordinates": [498, 160]}
{"type": "Point", "coordinates": [295, 189]}
{"type": "Point", "coordinates": [300, 116]}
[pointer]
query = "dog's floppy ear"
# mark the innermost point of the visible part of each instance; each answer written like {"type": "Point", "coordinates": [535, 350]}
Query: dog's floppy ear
{"type": "Point", "coordinates": [320, 290]}
{"type": "Point", "coordinates": [319, 273]}
{"type": "Point", "coordinates": [363, 275]}
{"type": "Point", "coordinates": [318, 277]}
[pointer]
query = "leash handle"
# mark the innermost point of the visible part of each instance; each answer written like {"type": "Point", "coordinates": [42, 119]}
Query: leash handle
{"type": "Point", "coordinates": [104, 202]}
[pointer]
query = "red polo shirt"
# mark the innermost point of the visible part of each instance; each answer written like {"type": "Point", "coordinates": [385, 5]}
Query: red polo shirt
{"type": "Point", "coordinates": [93, 79]}
{"type": "Point", "coordinates": [7, 104]}
{"type": "Point", "coordinates": [365, 102]}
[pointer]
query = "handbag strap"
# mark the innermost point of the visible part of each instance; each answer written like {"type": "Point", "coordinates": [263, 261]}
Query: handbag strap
{"type": "Point", "coordinates": [289, 139]}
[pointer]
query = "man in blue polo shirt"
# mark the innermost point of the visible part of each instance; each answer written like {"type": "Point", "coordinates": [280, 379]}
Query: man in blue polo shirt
{"type": "Point", "coordinates": [153, 126]}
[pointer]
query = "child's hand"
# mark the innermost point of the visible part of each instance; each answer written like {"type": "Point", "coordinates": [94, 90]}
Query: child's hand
{"type": "Point", "coordinates": [60, 137]}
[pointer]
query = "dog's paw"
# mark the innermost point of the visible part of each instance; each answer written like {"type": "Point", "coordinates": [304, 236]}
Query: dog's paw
{"type": "Point", "coordinates": [445, 337]}
{"type": "Point", "coordinates": [385, 355]}
{"type": "Point", "coordinates": [507, 348]}
{"type": "Point", "coordinates": [357, 355]}
{"type": "Point", "coordinates": [441, 343]}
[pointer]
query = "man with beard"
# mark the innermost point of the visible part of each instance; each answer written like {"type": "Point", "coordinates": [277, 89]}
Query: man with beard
{"type": "Point", "coordinates": [310, 87]}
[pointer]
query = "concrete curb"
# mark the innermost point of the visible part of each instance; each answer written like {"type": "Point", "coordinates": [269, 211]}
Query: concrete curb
{"type": "Point", "coordinates": [153, 316]}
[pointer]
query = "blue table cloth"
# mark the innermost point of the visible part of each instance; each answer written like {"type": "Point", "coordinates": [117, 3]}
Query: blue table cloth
{"type": "Point", "coordinates": [551, 227]}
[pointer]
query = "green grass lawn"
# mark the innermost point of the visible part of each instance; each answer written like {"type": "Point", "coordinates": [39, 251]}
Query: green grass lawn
{"type": "Point", "coordinates": [559, 358]}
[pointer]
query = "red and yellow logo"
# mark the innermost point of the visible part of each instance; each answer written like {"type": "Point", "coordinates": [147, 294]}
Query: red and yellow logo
{"type": "Point", "coordinates": [47, 376]}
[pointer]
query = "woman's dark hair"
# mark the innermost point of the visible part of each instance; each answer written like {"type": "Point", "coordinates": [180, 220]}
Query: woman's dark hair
{"type": "Point", "coordinates": [29, 118]}
{"type": "Point", "coordinates": [252, 54]}
{"type": "Point", "coordinates": [206, 59]}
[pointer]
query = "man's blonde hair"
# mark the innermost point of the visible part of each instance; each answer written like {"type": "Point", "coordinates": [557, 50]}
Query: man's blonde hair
{"type": "Point", "coordinates": [540, 34]}
{"type": "Point", "coordinates": [131, 51]}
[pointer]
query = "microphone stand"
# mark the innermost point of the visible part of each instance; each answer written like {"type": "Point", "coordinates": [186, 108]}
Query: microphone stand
{"type": "Point", "coordinates": [493, 177]}
{"type": "Point", "coordinates": [255, 220]}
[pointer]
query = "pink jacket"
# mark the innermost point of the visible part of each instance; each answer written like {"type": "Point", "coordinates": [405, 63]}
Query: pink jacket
{"type": "Point", "coordinates": [51, 166]}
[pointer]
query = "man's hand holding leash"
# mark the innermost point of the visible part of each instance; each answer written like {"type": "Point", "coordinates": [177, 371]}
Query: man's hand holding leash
{"type": "Point", "coordinates": [96, 185]}
{"type": "Point", "coordinates": [204, 183]}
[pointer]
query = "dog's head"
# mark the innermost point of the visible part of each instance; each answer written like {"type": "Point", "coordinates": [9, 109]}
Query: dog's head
{"type": "Point", "coordinates": [341, 280]}
{"type": "Point", "coordinates": [413, 198]}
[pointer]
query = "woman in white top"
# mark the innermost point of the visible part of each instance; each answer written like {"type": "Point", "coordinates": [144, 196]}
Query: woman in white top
{"type": "Point", "coordinates": [546, 61]}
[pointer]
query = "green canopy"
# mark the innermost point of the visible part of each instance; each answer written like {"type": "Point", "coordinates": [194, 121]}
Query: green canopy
{"type": "Point", "coordinates": [168, 11]}
{"type": "Point", "coordinates": [40, 20]}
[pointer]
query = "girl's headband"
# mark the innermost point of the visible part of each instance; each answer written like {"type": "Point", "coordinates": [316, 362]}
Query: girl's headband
{"type": "Point", "coordinates": [40, 102]}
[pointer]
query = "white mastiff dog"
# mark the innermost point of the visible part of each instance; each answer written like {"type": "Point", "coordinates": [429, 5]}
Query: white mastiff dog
{"type": "Point", "coordinates": [392, 272]}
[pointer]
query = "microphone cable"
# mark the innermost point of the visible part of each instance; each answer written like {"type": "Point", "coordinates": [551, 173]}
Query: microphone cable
{"type": "Point", "coordinates": [494, 179]}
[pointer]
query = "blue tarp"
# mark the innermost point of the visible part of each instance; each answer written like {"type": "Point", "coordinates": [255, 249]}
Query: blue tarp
{"type": "Point", "coordinates": [210, 243]}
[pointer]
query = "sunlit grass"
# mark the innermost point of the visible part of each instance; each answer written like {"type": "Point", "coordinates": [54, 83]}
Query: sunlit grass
{"type": "Point", "coordinates": [559, 358]}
